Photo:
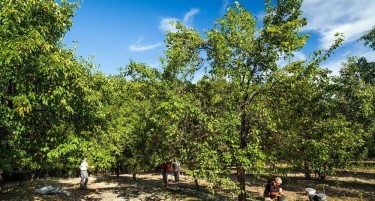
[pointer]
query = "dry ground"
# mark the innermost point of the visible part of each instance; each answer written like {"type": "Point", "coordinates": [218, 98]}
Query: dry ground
{"type": "Point", "coordinates": [356, 185]}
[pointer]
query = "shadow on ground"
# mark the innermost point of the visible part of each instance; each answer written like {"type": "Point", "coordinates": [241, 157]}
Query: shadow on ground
{"type": "Point", "coordinates": [345, 185]}
{"type": "Point", "coordinates": [109, 188]}
{"type": "Point", "coordinates": [356, 184]}
{"type": "Point", "coordinates": [151, 189]}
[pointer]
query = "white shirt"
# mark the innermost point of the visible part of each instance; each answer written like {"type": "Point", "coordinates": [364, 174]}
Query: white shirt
{"type": "Point", "coordinates": [84, 165]}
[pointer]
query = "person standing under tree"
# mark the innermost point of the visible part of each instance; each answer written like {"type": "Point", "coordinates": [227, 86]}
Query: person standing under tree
{"type": "Point", "coordinates": [84, 174]}
{"type": "Point", "coordinates": [166, 168]}
{"type": "Point", "coordinates": [176, 170]}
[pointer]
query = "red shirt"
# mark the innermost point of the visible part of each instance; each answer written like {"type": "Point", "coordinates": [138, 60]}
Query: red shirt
{"type": "Point", "coordinates": [166, 167]}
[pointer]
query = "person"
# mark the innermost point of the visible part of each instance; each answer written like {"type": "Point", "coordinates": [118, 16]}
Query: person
{"type": "Point", "coordinates": [166, 168]}
{"type": "Point", "coordinates": [176, 170]}
{"type": "Point", "coordinates": [273, 190]}
{"type": "Point", "coordinates": [84, 174]}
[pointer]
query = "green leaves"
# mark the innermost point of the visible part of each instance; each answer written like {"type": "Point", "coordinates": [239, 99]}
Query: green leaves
{"type": "Point", "coordinates": [244, 112]}
{"type": "Point", "coordinates": [43, 83]}
{"type": "Point", "coordinates": [182, 53]}
{"type": "Point", "coordinates": [369, 38]}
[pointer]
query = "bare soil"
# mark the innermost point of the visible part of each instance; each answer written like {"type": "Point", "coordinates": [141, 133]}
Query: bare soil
{"type": "Point", "coordinates": [357, 185]}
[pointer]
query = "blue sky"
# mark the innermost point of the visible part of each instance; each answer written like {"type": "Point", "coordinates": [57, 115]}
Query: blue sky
{"type": "Point", "coordinates": [115, 31]}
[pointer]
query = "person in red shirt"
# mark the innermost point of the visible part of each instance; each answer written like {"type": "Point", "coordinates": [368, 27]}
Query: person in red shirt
{"type": "Point", "coordinates": [166, 169]}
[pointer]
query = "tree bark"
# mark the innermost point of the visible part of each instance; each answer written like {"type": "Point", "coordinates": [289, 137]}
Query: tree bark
{"type": "Point", "coordinates": [240, 169]}
{"type": "Point", "coordinates": [10, 91]}
{"type": "Point", "coordinates": [242, 182]}
{"type": "Point", "coordinates": [118, 170]}
{"type": "Point", "coordinates": [196, 184]}
{"type": "Point", "coordinates": [307, 170]}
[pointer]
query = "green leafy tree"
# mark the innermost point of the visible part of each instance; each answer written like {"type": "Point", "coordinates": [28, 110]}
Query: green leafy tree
{"type": "Point", "coordinates": [247, 56]}
{"type": "Point", "coordinates": [48, 99]}
{"type": "Point", "coordinates": [315, 134]}
{"type": "Point", "coordinates": [144, 139]}
{"type": "Point", "coordinates": [39, 80]}
{"type": "Point", "coordinates": [355, 89]}
{"type": "Point", "coordinates": [243, 59]}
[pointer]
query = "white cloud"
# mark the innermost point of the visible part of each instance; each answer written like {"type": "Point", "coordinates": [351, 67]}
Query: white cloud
{"type": "Point", "coordinates": [298, 56]}
{"type": "Point", "coordinates": [165, 23]}
{"type": "Point", "coordinates": [188, 18]}
{"type": "Point", "coordinates": [224, 7]}
{"type": "Point", "coordinates": [137, 47]}
{"type": "Point", "coordinates": [334, 63]}
{"type": "Point", "coordinates": [350, 17]}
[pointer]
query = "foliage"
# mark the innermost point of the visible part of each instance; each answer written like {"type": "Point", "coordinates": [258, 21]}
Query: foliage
{"type": "Point", "coordinates": [369, 38]}
{"type": "Point", "coordinates": [245, 112]}
{"type": "Point", "coordinates": [40, 80]}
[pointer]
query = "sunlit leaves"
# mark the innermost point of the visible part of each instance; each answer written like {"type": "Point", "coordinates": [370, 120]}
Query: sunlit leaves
{"type": "Point", "coordinates": [182, 53]}
{"type": "Point", "coordinates": [42, 82]}
{"type": "Point", "coordinates": [369, 38]}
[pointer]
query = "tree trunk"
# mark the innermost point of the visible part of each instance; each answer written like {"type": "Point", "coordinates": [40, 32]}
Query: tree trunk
{"type": "Point", "coordinates": [241, 181]}
{"type": "Point", "coordinates": [10, 91]}
{"type": "Point", "coordinates": [307, 170]}
{"type": "Point", "coordinates": [322, 176]}
{"type": "Point", "coordinates": [240, 169]}
{"type": "Point", "coordinates": [118, 170]}
{"type": "Point", "coordinates": [134, 176]}
{"type": "Point", "coordinates": [196, 184]}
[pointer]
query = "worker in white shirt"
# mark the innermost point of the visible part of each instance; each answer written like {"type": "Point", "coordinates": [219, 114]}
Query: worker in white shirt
{"type": "Point", "coordinates": [84, 174]}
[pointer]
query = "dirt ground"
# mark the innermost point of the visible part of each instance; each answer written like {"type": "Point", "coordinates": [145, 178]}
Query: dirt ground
{"type": "Point", "coordinates": [356, 185]}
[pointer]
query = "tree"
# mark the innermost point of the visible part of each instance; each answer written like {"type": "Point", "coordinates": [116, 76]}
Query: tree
{"type": "Point", "coordinates": [39, 80]}
{"type": "Point", "coordinates": [144, 139]}
{"type": "Point", "coordinates": [241, 61]}
{"type": "Point", "coordinates": [248, 60]}
{"type": "Point", "coordinates": [48, 101]}
{"type": "Point", "coordinates": [314, 130]}
{"type": "Point", "coordinates": [355, 89]}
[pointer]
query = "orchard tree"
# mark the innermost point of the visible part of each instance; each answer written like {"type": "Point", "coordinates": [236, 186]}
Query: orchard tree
{"type": "Point", "coordinates": [314, 133]}
{"type": "Point", "coordinates": [355, 90]}
{"type": "Point", "coordinates": [243, 58]}
{"type": "Point", "coordinates": [39, 80]}
{"type": "Point", "coordinates": [118, 110]}
{"type": "Point", "coordinates": [47, 104]}
{"type": "Point", "coordinates": [144, 139]}
{"type": "Point", "coordinates": [246, 56]}
{"type": "Point", "coordinates": [354, 96]}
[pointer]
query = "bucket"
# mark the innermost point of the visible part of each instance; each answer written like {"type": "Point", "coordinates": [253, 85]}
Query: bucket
{"type": "Point", "coordinates": [310, 191]}
{"type": "Point", "coordinates": [321, 197]}
{"type": "Point", "coordinates": [281, 198]}
{"type": "Point", "coordinates": [311, 197]}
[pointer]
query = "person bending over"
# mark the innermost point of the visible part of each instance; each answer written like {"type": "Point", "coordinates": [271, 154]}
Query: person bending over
{"type": "Point", "coordinates": [273, 190]}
